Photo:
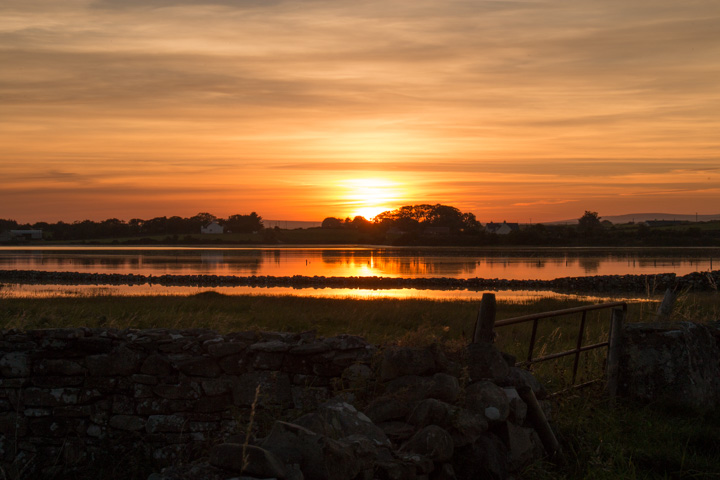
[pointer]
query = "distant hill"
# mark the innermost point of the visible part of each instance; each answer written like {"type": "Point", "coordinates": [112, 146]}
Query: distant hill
{"type": "Point", "coordinates": [643, 217]}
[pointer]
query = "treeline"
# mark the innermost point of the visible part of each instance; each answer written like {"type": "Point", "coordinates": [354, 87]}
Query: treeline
{"type": "Point", "coordinates": [444, 225]}
{"type": "Point", "coordinates": [115, 228]}
{"type": "Point", "coordinates": [411, 225]}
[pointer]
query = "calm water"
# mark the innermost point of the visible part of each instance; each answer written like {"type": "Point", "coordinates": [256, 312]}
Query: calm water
{"type": "Point", "coordinates": [521, 264]}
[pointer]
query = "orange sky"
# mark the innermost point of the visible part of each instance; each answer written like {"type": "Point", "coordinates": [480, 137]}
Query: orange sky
{"type": "Point", "coordinates": [298, 110]}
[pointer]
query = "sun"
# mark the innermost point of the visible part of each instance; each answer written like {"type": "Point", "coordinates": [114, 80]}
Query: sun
{"type": "Point", "coordinates": [367, 197]}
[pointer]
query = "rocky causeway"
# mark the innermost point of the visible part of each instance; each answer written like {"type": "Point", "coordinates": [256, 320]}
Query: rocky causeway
{"type": "Point", "coordinates": [696, 281]}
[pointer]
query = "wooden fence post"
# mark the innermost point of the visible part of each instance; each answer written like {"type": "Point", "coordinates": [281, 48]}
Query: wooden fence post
{"type": "Point", "coordinates": [539, 421]}
{"type": "Point", "coordinates": [485, 324]}
{"type": "Point", "coordinates": [614, 351]}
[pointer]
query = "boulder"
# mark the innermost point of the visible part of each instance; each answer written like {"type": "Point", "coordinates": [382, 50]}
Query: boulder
{"type": "Point", "coordinates": [485, 362]}
{"type": "Point", "coordinates": [485, 458]}
{"type": "Point", "coordinates": [386, 408]}
{"type": "Point", "coordinates": [338, 419]}
{"type": "Point", "coordinates": [524, 445]}
{"type": "Point", "coordinates": [317, 456]}
{"type": "Point", "coordinates": [399, 361]}
{"type": "Point", "coordinates": [462, 424]}
{"type": "Point", "coordinates": [488, 399]}
{"type": "Point", "coordinates": [432, 442]}
{"type": "Point", "coordinates": [248, 459]}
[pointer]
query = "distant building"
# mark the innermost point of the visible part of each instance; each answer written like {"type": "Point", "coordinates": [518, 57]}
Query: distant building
{"type": "Point", "coordinates": [26, 234]}
{"type": "Point", "coordinates": [212, 227]}
{"type": "Point", "coordinates": [501, 228]}
{"type": "Point", "coordinates": [437, 231]}
{"type": "Point", "coordinates": [663, 223]}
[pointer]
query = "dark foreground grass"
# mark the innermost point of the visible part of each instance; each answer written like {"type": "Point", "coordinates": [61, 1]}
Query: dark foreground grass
{"type": "Point", "coordinates": [600, 441]}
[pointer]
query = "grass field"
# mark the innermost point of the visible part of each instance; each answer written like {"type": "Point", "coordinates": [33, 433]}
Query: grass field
{"type": "Point", "coordinates": [600, 441]}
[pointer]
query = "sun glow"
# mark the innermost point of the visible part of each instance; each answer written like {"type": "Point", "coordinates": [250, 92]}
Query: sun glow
{"type": "Point", "coordinates": [367, 197]}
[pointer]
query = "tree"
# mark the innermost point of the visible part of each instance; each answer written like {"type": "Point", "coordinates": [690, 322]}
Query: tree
{"type": "Point", "coordinates": [413, 217]}
{"type": "Point", "coordinates": [244, 223]}
{"type": "Point", "coordinates": [589, 224]}
{"type": "Point", "coordinates": [332, 222]}
{"type": "Point", "coordinates": [589, 220]}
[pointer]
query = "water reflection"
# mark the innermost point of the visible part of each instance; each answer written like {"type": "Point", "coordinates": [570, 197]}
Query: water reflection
{"type": "Point", "coordinates": [51, 291]}
{"type": "Point", "coordinates": [522, 264]}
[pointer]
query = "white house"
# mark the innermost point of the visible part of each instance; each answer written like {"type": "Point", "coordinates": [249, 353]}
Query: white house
{"type": "Point", "coordinates": [212, 227]}
{"type": "Point", "coordinates": [27, 234]}
{"type": "Point", "coordinates": [501, 228]}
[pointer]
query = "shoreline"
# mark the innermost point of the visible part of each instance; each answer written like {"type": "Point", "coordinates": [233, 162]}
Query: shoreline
{"type": "Point", "coordinates": [696, 281]}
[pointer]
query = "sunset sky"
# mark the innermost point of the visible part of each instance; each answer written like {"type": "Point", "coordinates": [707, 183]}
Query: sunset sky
{"type": "Point", "coordinates": [298, 110]}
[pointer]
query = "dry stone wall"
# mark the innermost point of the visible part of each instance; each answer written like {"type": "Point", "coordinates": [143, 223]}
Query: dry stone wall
{"type": "Point", "coordinates": [79, 403]}
{"type": "Point", "coordinates": [675, 363]}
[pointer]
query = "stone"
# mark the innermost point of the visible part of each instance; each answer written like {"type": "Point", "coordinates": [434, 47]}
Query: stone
{"type": "Point", "coordinates": [518, 408]}
{"type": "Point", "coordinates": [273, 346]}
{"type": "Point", "coordinates": [386, 408]}
{"type": "Point", "coordinates": [122, 361]}
{"type": "Point", "coordinates": [488, 399]}
{"type": "Point", "coordinates": [444, 387]}
{"type": "Point", "coordinates": [14, 364]}
{"type": "Point", "coordinates": [347, 342]}
{"type": "Point", "coordinates": [444, 472]}
{"type": "Point", "coordinates": [165, 423]}
{"type": "Point", "coordinates": [275, 388]}
{"type": "Point", "coordinates": [357, 373]}
{"type": "Point", "coordinates": [307, 398]}
{"type": "Point", "coordinates": [40, 397]}
{"type": "Point", "coordinates": [233, 364]}
{"type": "Point", "coordinates": [485, 458]}
{"type": "Point", "coordinates": [524, 445]}
{"type": "Point", "coordinates": [397, 432]}
{"type": "Point", "coordinates": [310, 348]}
{"type": "Point", "coordinates": [218, 386]}
{"type": "Point", "coordinates": [268, 360]}
{"type": "Point", "coordinates": [485, 362]}
{"type": "Point", "coordinates": [144, 379]}
{"type": "Point", "coordinates": [467, 426]}
{"type": "Point", "coordinates": [157, 365]}
{"type": "Point", "coordinates": [130, 423]}
{"type": "Point", "coordinates": [398, 362]}
{"type": "Point", "coordinates": [57, 381]}
{"type": "Point", "coordinates": [432, 442]}
{"type": "Point", "coordinates": [318, 456]}
{"type": "Point", "coordinates": [249, 459]}
{"type": "Point", "coordinates": [223, 349]}
{"type": "Point", "coordinates": [337, 419]}
{"type": "Point", "coordinates": [48, 366]}
{"type": "Point", "coordinates": [408, 388]}
{"type": "Point", "coordinates": [57, 427]}
{"type": "Point", "coordinates": [186, 391]}
{"type": "Point", "coordinates": [463, 425]}
{"type": "Point", "coordinates": [199, 367]}
{"type": "Point", "coordinates": [152, 406]}
{"type": "Point", "coordinates": [431, 412]}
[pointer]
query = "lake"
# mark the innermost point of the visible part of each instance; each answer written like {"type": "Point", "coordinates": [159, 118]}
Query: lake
{"type": "Point", "coordinates": [345, 261]}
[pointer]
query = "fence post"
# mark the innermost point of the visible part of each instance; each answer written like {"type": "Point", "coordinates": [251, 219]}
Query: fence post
{"type": "Point", "coordinates": [667, 304]}
{"type": "Point", "coordinates": [539, 421]}
{"type": "Point", "coordinates": [485, 324]}
{"type": "Point", "coordinates": [614, 351]}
